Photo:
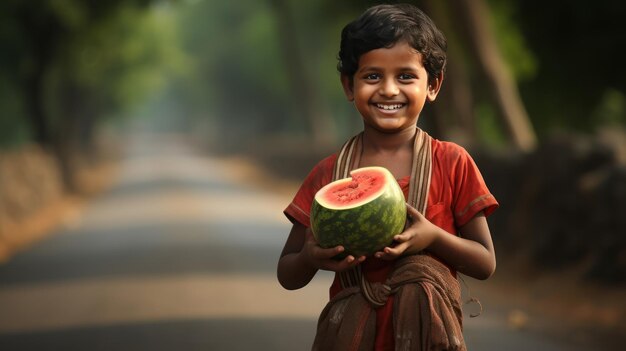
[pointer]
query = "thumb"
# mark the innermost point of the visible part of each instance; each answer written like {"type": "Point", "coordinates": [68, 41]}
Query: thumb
{"type": "Point", "coordinates": [413, 213]}
{"type": "Point", "coordinates": [309, 236]}
{"type": "Point", "coordinates": [414, 216]}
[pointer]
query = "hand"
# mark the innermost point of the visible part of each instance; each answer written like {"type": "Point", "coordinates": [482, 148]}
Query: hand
{"type": "Point", "coordinates": [419, 235]}
{"type": "Point", "coordinates": [320, 258]}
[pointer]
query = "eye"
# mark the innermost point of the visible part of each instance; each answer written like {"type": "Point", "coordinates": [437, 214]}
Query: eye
{"type": "Point", "coordinates": [372, 76]}
{"type": "Point", "coordinates": [406, 76]}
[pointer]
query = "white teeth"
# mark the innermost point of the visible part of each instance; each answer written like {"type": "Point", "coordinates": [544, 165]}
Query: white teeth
{"type": "Point", "coordinates": [389, 107]}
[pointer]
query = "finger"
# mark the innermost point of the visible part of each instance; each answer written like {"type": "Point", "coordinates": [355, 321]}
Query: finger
{"type": "Point", "coordinates": [345, 264]}
{"type": "Point", "coordinates": [323, 254]}
{"type": "Point", "coordinates": [382, 255]}
{"type": "Point", "coordinates": [402, 237]}
{"type": "Point", "coordinates": [392, 253]}
{"type": "Point", "coordinates": [337, 266]}
{"type": "Point", "coordinates": [387, 256]}
{"type": "Point", "coordinates": [413, 212]}
{"type": "Point", "coordinates": [351, 261]}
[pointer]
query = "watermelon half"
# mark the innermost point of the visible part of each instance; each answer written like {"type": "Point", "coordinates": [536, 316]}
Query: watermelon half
{"type": "Point", "coordinates": [363, 213]}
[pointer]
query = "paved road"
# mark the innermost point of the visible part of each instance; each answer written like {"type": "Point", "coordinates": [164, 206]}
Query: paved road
{"type": "Point", "coordinates": [177, 257]}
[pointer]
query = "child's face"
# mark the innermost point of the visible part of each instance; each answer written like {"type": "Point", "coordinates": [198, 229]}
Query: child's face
{"type": "Point", "coordinates": [390, 87]}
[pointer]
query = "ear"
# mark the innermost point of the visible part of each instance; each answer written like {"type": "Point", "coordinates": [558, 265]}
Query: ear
{"type": "Point", "coordinates": [348, 87]}
{"type": "Point", "coordinates": [433, 87]}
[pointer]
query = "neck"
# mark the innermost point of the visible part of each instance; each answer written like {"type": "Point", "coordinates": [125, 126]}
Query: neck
{"type": "Point", "coordinates": [388, 142]}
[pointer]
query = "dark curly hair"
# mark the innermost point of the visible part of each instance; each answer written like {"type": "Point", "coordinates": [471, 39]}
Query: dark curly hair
{"type": "Point", "coordinates": [382, 26]}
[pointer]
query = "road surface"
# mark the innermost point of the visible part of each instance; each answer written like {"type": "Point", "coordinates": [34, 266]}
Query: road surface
{"type": "Point", "coordinates": [177, 256]}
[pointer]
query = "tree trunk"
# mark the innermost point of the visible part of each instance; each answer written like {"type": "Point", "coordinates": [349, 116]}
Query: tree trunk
{"type": "Point", "coordinates": [67, 146]}
{"type": "Point", "coordinates": [454, 108]}
{"type": "Point", "coordinates": [302, 85]}
{"type": "Point", "coordinates": [40, 34]}
{"type": "Point", "coordinates": [33, 103]}
{"type": "Point", "coordinates": [474, 16]}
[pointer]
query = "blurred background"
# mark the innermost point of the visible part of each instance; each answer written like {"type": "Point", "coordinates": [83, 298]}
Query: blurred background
{"type": "Point", "coordinates": [215, 111]}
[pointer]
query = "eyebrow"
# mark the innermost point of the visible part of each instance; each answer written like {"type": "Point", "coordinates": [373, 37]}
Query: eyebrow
{"type": "Point", "coordinates": [374, 68]}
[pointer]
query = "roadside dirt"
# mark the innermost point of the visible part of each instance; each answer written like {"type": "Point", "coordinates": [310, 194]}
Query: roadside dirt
{"type": "Point", "coordinates": [61, 210]}
{"type": "Point", "coordinates": [560, 302]}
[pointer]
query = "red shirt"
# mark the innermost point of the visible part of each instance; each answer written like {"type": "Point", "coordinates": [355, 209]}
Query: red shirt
{"type": "Point", "coordinates": [457, 193]}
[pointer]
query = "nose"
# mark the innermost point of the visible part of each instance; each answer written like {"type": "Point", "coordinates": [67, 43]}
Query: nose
{"type": "Point", "coordinates": [389, 88]}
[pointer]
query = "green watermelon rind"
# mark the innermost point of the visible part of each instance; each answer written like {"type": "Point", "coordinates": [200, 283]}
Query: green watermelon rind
{"type": "Point", "coordinates": [365, 229]}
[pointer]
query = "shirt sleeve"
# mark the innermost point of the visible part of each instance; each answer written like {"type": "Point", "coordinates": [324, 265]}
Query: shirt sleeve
{"type": "Point", "coordinates": [471, 195]}
{"type": "Point", "coordinates": [300, 207]}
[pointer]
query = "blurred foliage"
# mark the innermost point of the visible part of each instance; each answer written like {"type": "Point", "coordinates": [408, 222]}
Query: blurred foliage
{"type": "Point", "coordinates": [237, 78]}
{"type": "Point", "coordinates": [611, 111]}
{"type": "Point", "coordinates": [246, 78]}
{"type": "Point", "coordinates": [242, 87]}
{"type": "Point", "coordinates": [94, 59]}
{"type": "Point", "coordinates": [512, 43]}
{"type": "Point", "coordinates": [13, 130]}
{"type": "Point", "coordinates": [579, 54]}
{"type": "Point", "coordinates": [221, 69]}
{"type": "Point", "coordinates": [120, 60]}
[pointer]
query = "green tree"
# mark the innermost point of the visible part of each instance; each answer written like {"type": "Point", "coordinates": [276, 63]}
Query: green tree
{"type": "Point", "coordinates": [74, 63]}
{"type": "Point", "coordinates": [578, 47]}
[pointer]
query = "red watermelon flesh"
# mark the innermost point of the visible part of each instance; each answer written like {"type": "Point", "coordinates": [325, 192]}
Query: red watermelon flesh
{"type": "Point", "coordinates": [350, 193]}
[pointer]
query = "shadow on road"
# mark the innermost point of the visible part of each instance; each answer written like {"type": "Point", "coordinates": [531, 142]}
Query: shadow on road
{"type": "Point", "coordinates": [202, 334]}
{"type": "Point", "coordinates": [146, 249]}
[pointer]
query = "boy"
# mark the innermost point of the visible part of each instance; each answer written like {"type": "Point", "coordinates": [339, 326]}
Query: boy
{"type": "Point", "coordinates": [392, 61]}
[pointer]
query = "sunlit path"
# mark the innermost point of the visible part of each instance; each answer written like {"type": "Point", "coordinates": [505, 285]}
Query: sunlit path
{"type": "Point", "coordinates": [173, 245]}
{"type": "Point", "coordinates": [55, 305]}
{"type": "Point", "coordinates": [177, 257]}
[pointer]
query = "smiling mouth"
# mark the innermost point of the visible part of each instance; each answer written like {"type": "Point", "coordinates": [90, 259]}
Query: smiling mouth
{"type": "Point", "coordinates": [389, 107]}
